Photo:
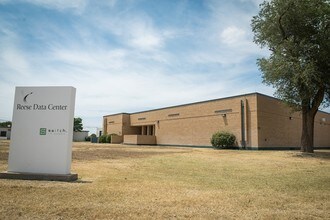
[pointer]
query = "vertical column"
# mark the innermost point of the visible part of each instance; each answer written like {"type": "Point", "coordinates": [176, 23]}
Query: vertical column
{"type": "Point", "coordinates": [144, 130]}
{"type": "Point", "coordinates": [148, 130]}
{"type": "Point", "coordinates": [105, 125]}
{"type": "Point", "coordinates": [151, 130]}
{"type": "Point", "coordinates": [246, 112]}
{"type": "Point", "coordinates": [242, 124]}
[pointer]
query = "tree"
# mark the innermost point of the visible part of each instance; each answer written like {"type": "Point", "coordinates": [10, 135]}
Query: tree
{"type": "Point", "coordinates": [297, 33]}
{"type": "Point", "coordinates": [6, 124]}
{"type": "Point", "coordinates": [77, 124]}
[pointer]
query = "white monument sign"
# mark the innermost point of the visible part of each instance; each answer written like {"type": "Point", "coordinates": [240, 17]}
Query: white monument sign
{"type": "Point", "coordinates": [41, 138]}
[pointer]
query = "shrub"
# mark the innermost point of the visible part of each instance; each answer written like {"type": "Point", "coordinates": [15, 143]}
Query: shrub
{"type": "Point", "coordinates": [108, 138]}
{"type": "Point", "coordinates": [105, 138]}
{"type": "Point", "coordinates": [102, 139]}
{"type": "Point", "coordinates": [223, 139]}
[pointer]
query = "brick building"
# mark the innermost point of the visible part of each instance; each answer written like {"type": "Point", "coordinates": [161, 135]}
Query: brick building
{"type": "Point", "coordinates": [258, 122]}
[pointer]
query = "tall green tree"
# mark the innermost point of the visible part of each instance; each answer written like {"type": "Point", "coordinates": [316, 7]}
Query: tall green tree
{"type": "Point", "coordinates": [297, 33]}
{"type": "Point", "coordinates": [77, 124]}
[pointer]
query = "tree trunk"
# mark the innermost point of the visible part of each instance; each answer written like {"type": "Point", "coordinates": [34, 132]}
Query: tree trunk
{"type": "Point", "coordinates": [309, 110]}
{"type": "Point", "coordinates": [307, 137]}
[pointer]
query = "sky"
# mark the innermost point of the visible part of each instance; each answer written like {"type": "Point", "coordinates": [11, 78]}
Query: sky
{"type": "Point", "coordinates": [129, 55]}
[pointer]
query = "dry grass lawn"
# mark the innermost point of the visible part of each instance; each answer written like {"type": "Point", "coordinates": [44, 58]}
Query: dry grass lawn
{"type": "Point", "coordinates": [129, 182]}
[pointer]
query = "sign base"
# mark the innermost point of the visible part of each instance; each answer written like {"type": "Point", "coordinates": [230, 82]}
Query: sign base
{"type": "Point", "coordinates": [37, 176]}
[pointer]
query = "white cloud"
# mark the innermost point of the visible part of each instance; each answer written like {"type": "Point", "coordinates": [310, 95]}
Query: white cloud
{"type": "Point", "coordinates": [15, 62]}
{"type": "Point", "coordinates": [233, 36]}
{"type": "Point", "coordinates": [110, 3]}
{"type": "Point", "coordinates": [90, 59]}
{"type": "Point", "coordinates": [145, 39]}
{"type": "Point", "coordinates": [135, 30]}
{"type": "Point", "coordinates": [227, 37]}
{"type": "Point", "coordinates": [255, 2]}
{"type": "Point", "coordinates": [78, 5]}
{"type": "Point", "coordinates": [140, 33]}
{"type": "Point", "coordinates": [12, 59]}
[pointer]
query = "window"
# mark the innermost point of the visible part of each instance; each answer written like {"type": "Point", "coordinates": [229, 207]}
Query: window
{"type": "Point", "coordinates": [3, 134]}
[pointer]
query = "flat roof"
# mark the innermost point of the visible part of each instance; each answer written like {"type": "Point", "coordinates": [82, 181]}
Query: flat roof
{"type": "Point", "coordinates": [201, 102]}
{"type": "Point", "coordinates": [192, 103]}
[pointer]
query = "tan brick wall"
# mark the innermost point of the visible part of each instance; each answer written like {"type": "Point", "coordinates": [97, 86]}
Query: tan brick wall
{"type": "Point", "coordinates": [116, 139]}
{"type": "Point", "coordinates": [267, 123]}
{"type": "Point", "coordinates": [127, 128]}
{"type": "Point", "coordinates": [322, 130]}
{"type": "Point", "coordinates": [130, 139]}
{"type": "Point", "coordinates": [251, 122]}
{"type": "Point", "coordinates": [119, 124]}
{"type": "Point", "coordinates": [139, 139]}
{"type": "Point", "coordinates": [196, 123]}
{"type": "Point", "coordinates": [277, 129]}
{"type": "Point", "coordinates": [105, 124]}
{"type": "Point", "coordinates": [114, 124]}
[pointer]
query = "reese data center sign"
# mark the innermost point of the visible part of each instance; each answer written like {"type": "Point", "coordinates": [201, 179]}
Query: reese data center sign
{"type": "Point", "coordinates": [41, 138]}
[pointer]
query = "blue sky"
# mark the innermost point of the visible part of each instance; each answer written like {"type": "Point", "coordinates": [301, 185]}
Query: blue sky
{"type": "Point", "coordinates": [129, 55]}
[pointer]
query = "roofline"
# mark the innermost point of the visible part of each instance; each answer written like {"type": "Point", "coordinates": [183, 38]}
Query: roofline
{"type": "Point", "coordinates": [192, 103]}
{"type": "Point", "coordinates": [201, 102]}
{"type": "Point", "coordinates": [283, 101]}
{"type": "Point", "coordinates": [196, 103]}
{"type": "Point", "coordinates": [122, 113]}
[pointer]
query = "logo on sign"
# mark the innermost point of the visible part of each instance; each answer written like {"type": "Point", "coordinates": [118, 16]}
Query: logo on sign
{"type": "Point", "coordinates": [52, 131]}
{"type": "Point", "coordinates": [43, 131]}
{"type": "Point", "coordinates": [25, 97]}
